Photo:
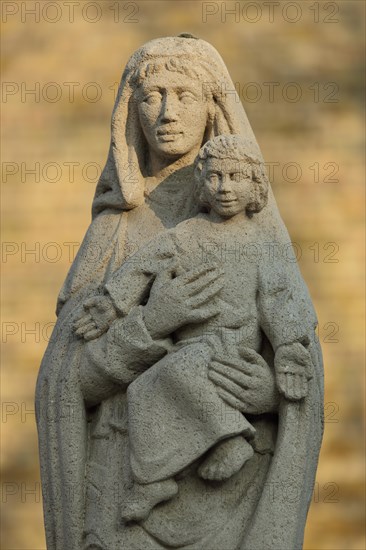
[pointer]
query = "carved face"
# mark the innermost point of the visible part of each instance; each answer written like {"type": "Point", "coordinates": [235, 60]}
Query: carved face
{"type": "Point", "coordinates": [173, 113]}
{"type": "Point", "coordinates": [227, 186]}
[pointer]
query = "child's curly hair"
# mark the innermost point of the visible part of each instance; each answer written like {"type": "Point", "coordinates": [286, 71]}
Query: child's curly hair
{"type": "Point", "coordinates": [235, 148]}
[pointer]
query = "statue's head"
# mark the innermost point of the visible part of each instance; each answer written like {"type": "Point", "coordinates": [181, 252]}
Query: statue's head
{"type": "Point", "coordinates": [230, 179]}
{"type": "Point", "coordinates": [174, 108]}
{"type": "Point", "coordinates": [175, 94]}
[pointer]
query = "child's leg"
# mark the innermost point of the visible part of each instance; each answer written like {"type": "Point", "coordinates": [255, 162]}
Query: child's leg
{"type": "Point", "coordinates": [141, 498]}
{"type": "Point", "coordinates": [226, 459]}
{"type": "Point", "coordinates": [175, 415]}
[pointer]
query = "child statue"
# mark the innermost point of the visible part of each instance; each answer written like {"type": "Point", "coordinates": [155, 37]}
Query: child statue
{"type": "Point", "coordinates": [184, 417]}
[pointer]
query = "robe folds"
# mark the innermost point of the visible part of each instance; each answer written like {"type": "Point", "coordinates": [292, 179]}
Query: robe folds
{"type": "Point", "coordinates": [80, 407]}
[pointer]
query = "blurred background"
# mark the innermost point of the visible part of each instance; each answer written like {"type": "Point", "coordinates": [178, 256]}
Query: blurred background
{"type": "Point", "coordinates": [298, 68]}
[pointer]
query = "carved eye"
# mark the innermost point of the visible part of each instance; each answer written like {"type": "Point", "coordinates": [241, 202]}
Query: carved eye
{"type": "Point", "coordinates": [235, 176]}
{"type": "Point", "coordinates": [187, 98]}
{"type": "Point", "coordinates": [152, 98]}
{"type": "Point", "coordinates": [213, 177]}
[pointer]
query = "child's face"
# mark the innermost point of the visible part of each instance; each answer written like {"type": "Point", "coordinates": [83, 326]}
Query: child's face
{"type": "Point", "coordinates": [227, 186]}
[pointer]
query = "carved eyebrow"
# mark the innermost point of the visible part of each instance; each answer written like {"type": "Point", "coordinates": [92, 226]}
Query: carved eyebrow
{"type": "Point", "coordinates": [153, 88]}
{"type": "Point", "coordinates": [145, 89]}
{"type": "Point", "coordinates": [185, 89]}
{"type": "Point", "coordinates": [213, 171]}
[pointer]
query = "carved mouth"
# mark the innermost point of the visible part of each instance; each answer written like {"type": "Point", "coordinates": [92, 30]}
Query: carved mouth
{"type": "Point", "coordinates": [227, 202]}
{"type": "Point", "coordinates": [168, 132]}
{"type": "Point", "coordinates": [168, 136]}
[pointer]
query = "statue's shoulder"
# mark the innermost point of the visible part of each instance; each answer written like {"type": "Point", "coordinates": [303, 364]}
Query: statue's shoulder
{"type": "Point", "coordinates": [186, 237]}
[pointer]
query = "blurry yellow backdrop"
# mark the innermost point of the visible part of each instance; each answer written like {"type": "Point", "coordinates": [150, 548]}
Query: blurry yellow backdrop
{"type": "Point", "coordinates": [298, 67]}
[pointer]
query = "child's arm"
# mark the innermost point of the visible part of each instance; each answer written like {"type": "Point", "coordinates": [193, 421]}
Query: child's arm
{"type": "Point", "coordinates": [127, 287]}
{"type": "Point", "coordinates": [281, 319]}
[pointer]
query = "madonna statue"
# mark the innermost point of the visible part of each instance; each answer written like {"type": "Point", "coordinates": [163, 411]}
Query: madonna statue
{"type": "Point", "coordinates": [175, 98]}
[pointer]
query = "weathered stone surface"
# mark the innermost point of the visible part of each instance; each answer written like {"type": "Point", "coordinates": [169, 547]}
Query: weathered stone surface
{"type": "Point", "coordinates": [177, 400]}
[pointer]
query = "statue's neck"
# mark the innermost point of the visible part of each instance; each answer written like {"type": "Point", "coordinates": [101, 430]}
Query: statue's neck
{"type": "Point", "coordinates": [162, 167]}
{"type": "Point", "coordinates": [239, 219]}
{"type": "Point", "coordinates": [175, 185]}
{"type": "Point", "coordinates": [174, 197]}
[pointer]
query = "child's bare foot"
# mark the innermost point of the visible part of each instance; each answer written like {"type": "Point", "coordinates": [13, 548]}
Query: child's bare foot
{"type": "Point", "coordinates": [226, 459]}
{"type": "Point", "coordinates": [141, 499]}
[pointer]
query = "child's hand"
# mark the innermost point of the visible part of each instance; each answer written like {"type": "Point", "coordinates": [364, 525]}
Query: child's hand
{"type": "Point", "coordinates": [293, 371]}
{"type": "Point", "coordinates": [100, 313]}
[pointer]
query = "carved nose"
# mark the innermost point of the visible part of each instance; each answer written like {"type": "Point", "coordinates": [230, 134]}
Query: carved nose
{"type": "Point", "coordinates": [225, 186]}
{"type": "Point", "coordinates": [168, 112]}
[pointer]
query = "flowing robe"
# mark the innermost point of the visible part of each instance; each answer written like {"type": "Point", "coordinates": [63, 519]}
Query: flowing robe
{"type": "Point", "coordinates": [81, 422]}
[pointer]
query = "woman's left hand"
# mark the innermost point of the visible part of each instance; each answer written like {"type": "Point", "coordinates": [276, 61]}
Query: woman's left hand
{"type": "Point", "coordinates": [248, 386]}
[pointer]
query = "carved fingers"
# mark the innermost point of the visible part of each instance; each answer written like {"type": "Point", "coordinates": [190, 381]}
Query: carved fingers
{"type": "Point", "coordinates": [248, 385]}
{"type": "Point", "coordinates": [206, 281]}
{"type": "Point", "coordinates": [234, 402]}
{"type": "Point", "coordinates": [293, 371]}
{"type": "Point", "coordinates": [229, 378]}
{"type": "Point", "coordinates": [232, 384]}
{"type": "Point", "coordinates": [93, 333]}
{"type": "Point", "coordinates": [198, 273]}
{"type": "Point", "coordinates": [292, 386]}
{"type": "Point", "coordinates": [97, 318]}
{"type": "Point", "coordinates": [205, 295]}
{"type": "Point", "coordinates": [252, 360]}
{"type": "Point", "coordinates": [184, 299]}
{"type": "Point", "coordinates": [83, 324]}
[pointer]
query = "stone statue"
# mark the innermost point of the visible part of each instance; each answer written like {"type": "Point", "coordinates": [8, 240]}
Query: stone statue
{"type": "Point", "coordinates": [179, 400]}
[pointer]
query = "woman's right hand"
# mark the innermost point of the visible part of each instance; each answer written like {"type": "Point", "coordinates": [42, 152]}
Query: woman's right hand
{"type": "Point", "coordinates": [182, 300]}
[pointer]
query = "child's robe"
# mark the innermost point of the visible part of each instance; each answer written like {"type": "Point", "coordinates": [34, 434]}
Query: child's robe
{"type": "Point", "coordinates": [174, 412]}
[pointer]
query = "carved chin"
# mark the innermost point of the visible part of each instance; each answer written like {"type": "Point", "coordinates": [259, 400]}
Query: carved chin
{"type": "Point", "coordinates": [172, 145]}
{"type": "Point", "coordinates": [228, 211]}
